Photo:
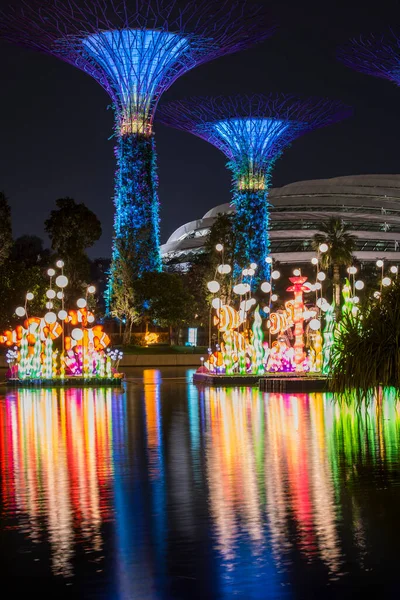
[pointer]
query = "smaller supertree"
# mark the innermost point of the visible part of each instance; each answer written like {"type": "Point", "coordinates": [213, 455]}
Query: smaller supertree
{"type": "Point", "coordinates": [374, 55]}
{"type": "Point", "coordinates": [252, 131]}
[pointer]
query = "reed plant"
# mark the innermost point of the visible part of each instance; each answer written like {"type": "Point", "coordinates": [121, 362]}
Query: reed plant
{"type": "Point", "coordinates": [366, 352]}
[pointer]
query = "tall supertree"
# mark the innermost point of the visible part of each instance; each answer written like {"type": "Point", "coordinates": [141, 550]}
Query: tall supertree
{"type": "Point", "coordinates": [252, 131]}
{"type": "Point", "coordinates": [135, 49]}
{"type": "Point", "coordinates": [374, 55]}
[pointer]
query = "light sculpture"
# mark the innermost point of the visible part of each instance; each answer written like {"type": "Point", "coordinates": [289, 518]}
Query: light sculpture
{"type": "Point", "coordinates": [298, 288]}
{"type": "Point", "coordinates": [135, 51]}
{"type": "Point", "coordinates": [42, 353]}
{"type": "Point", "coordinates": [252, 132]}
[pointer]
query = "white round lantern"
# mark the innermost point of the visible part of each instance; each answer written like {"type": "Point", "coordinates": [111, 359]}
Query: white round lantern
{"type": "Point", "coordinates": [81, 303]}
{"type": "Point", "coordinates": [386, 281]}
{"type": "Point", "coordinates": [51, 272]}
{"type": "Point", "coordinates": [315, 324]}
{"type": "Point", "coordinates": [323, 248]}
{"type": "Point", "coordinates": [213, 286]}
{"type": "Point", "coordinates": [77, 334]}
{"type": "Point", "coordinates": [216, 303]}
{"type": "Point", "coordinates": [321, 276]}
{"type": "Point", "coordinates": [61, 281]}
{"type": "Point", "coordinates": [359, 285]}
{"type": "Point", "coordinates": [50, 318]}
{"type": "Point", "coordinates": [63, 315]}
{"type": "Point", "coordinates": [50, 294]}
{"type": "Point", "coordinates": [29, 296]}
{"type": "Point", "coordinates": [275, 274]}
{"type": "Point", "coordinates": [266, 287]}
{"type": "Point", "coordinates": [20, 311]}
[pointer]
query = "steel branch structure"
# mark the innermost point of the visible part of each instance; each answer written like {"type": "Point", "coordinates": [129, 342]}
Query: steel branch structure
{"type": "Point", "coordinates": [374, 55]}
{"type": "Point", "coordinates": [135, 49]}
{"type": "Point", "coordinates": [252, 132]}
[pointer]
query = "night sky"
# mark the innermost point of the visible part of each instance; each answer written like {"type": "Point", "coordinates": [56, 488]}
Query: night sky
{"type": "Point", "coordinates": [55, 126]}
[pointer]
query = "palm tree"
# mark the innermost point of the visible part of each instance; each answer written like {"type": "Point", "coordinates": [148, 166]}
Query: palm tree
{"type": "Point", "coordinates": [341, 244]}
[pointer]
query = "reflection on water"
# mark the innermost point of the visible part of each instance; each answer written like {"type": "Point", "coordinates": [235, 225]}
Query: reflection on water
{"type": "Point", "coordinates": [167, 490]}
{"type": "Point", "coordinates": [57, 468]}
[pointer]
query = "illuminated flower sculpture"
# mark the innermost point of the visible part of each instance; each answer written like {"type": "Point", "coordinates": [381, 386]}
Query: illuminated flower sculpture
{"type": "Point", "coordinates": [252, 132]}
{"type": "Point", "coordinates": [135, 50]}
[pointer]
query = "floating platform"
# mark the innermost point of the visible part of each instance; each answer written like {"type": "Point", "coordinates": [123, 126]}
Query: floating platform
{"type": "Point", "coordinates": [68, 382]}
{"type": "Point", "coordinates": [282, 383]}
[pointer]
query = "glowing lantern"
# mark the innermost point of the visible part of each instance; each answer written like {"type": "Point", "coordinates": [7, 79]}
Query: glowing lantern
{"type": "Point", "coordinates": [275, 274]}
{"type": "Point", "coordinates": [61, 281]}
{"type": "Point", "coordinates": [393, 270]}
{"type": "Point", "coordinates": [315, 324]}
{"type": "Point", "coordinates": [268, 260]}
{"type": "Point", "coordinates": [379, 263]}
{"type": "Point", "coordinates": [352, 270]}
{"type": "Point", "coordinates": [50, 318]}
{"type": "Point", "coordinates": [298, 288]}
{"type": "Point", "coordinates": [216, 303]}
{"type": "Point", "coordinates": [240, 289]}
{"type": "Point", "coordinates": [50, 294]}
{"type": "Point", "coordinates": [49, 305]}
{"type": "Point", "coordinates": [386, 281]}
{"type": "Point", "coordinates": [81, 303]}
{"type": "Point", "coordinates": [213, 286]}
{"type": "Point", "coordinates": [91, 289]}
{"type": "Point", "coordinates": [321, 276]}
{"type": "Point", "coordinates": [60, 295]}
{"type": "Point", "coordinates": [219, 247]}
{"type": "Point", "coordinates": [20, 311]}
{"type": "Point", "coordinates": [29, 296]}
{"type": "Point", "coordinates": [297, 272]}
{"type": "Point", "coordinates": [77, 334]}
{"type": "Point", "coordinates": [60, 264]}
{"type": "Point", "coordinates": [251, 272]}
{"type": "Point", "coordinates": [314, 261]}
{"type": "Point", "coordinates": [323, 248]}
{"type": "Point", "coordinates": [274, 297]}
{"type": "Point", "coordinates": [266, 287]}
{"type": "Point", "coordinates": [63, 315]}
{"type": "Point", "coordinates": [51, 272]}
{"type": "Point", "coordinates": [359, 285]}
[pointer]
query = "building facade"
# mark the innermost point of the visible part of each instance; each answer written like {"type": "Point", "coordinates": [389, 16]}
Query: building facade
{"type": "Point", "coordinates": [369, 203]}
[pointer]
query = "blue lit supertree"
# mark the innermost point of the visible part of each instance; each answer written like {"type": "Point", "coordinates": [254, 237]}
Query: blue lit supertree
{"type": "Point", "coordinates": [252, 132]}
{"type": "Point", "coordinates": [135, 49]}
{"type": "Point", "coordinates": [374, 55]}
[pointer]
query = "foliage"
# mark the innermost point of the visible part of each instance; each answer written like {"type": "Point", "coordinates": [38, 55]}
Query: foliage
{"type": "Point", "coordinates": [366, 352]}
{"type": "Point", "coordinates": [165, 299]}
{"type": "Point", "coordinates": [251, 225]}
{"type": "Point", "coordinates": [341, 244]}
{"type": "Point", "coordinates": [72, 228]}
{"type": "Point", "coordinates": [204, 266]}
{"type": "Point", "coordinates": [28, 250]}
{"type": "Point", "coordinates": [15, 282]}
{"type": "Point", "coordinates": [5, 228]}
{"type": "Point", "coordinates": [123, 298]}
{"type": "Point", "coordinates": [136, 202]}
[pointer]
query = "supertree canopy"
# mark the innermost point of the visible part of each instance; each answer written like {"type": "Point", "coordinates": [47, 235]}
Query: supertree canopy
{"type": "Point", "coordinates": [374, 55]}
{"type": "Point", "coordinates": [252, 132]}
{"type": "Point", "coordinates": [135, 49]}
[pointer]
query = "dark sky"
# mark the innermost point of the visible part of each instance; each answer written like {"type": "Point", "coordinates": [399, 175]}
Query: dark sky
{"type": "Point", "coordinates": [55, 126]}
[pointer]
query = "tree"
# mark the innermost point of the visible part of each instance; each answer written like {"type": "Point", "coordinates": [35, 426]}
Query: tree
{"type": "Point", "coordinates": [366, 352]}
{"type": "Point", "coordinates": [5, 228]}
{"type": "Point", "coordinates": [72, 229]}
{"type": "Point", "coordinates": [341, 244]}
{"type": "Point", "coordinates": [166, 300]}
{"type": "Point", "coordinates": [123, 305]}
{"type": "Point", "coordinates": [28, 250]}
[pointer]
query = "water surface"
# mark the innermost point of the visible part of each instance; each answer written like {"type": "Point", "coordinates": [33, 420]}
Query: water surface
{"type": "Point", "coordinates": [170, 491]}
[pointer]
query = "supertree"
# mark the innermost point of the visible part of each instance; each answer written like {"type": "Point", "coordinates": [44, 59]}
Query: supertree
{"type": "Point", "coordinates": [135, 49]}
{"type": "Point", "coordinates": [252, 131]}
{"type": "Point", "coordinates": [374, 55]}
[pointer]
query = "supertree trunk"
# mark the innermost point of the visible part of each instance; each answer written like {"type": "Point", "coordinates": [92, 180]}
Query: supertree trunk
{"type": "Point", "coordinates": [251, 231]}
{"type": "Point", "coordinates": [136, 202]}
